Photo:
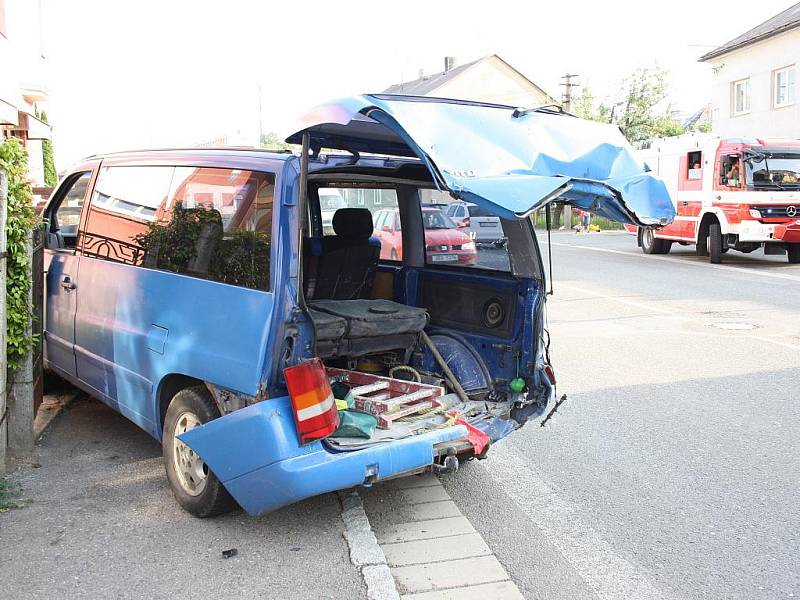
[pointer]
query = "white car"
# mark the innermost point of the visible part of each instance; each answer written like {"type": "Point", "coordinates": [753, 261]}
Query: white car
{"type": "Point", "coordinates": [481, 225]}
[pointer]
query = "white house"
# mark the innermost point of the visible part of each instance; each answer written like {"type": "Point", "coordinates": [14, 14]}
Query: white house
{"type": "Point", "coordinates": [22, 77]}
{"type": "Point", "coordinates": [488, 79]}
{"type": "Point", "coordinates": [754, 80]}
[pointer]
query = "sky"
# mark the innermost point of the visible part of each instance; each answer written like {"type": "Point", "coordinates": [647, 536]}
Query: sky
{"type": "Point", "coordinates": [127, 74]}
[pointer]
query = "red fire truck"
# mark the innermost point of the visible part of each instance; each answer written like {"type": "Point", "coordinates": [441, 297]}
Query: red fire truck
{"type": "Point", "coordinates": [729, 194]}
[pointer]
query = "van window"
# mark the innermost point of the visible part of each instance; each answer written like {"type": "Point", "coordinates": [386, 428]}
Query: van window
{"type": "Point", "coordinates": [65, 218]}
{"type": "Point", "coordinates": [210, 223]}
{"type": "Point", "coordinates": [473, 237]}
{"type": "Point", "coordinates": [381, 203]}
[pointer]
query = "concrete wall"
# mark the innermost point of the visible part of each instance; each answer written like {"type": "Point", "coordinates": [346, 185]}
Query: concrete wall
{"type": "Point", "coordinates": [757, 62]}
{"type": "Point", "coordinates": [492, 80]}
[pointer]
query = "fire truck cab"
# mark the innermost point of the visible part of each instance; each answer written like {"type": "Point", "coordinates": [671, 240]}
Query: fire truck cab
{"type": "Point", "coordinates": [729, 194]}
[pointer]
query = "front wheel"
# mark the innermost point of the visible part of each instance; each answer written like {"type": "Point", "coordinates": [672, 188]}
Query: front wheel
{"type": "Point", "coordinates": [652, 245]}
{"type": "Point", "coordinates": [193, 484]}
{"type": "Point", "coordinates": [715, 246]}
{"type": "Point", "coordinates": [793, 253]}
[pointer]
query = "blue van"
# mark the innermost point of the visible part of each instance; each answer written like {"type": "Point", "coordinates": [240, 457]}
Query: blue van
{"type": "Point", "coordinates": [195, 291]}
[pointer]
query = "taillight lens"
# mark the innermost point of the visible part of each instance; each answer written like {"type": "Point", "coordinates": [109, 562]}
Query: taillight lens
{"type": "Point", "coordinates": [312, 399]}
{"type": "Point", "coordinates": [551, 375]}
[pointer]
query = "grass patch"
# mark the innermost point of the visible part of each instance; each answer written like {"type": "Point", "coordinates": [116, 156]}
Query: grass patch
{"type": "Point", "coordinates": [11, 495]}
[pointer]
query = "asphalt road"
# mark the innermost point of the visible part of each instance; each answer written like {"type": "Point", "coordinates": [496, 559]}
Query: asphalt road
{"type": "Point", "coordinates": [103, 524]}
{"type": "Point", "coordinates": [672, 471]}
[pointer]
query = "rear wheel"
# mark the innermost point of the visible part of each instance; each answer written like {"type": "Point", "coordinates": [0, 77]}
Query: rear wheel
{"type": "Point", "coordinates": [715, 243]}
{"type": "Point", "coordinates": [652, 245]}
{"type": "Point", "coordinates": [193, 484]}
{"type": "Point", "coordinates": [793, 253]}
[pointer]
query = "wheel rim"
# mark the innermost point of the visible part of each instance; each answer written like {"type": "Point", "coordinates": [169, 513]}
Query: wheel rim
{"type": "Point", "coordinates": [192, 471]}
{"type": "Point", "coordinates": [647, 238]}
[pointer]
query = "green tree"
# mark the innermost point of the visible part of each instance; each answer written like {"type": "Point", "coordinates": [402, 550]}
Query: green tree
{"type": "Point", "coordinates": [272, 141]}
{"type": "Point", "coordinates": [636, 109]}
{"type": "Point", "coordinates": [50, 175]}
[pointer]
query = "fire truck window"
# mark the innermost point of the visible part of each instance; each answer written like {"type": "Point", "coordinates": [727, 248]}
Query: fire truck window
{"type": "Point", "coordinates": [694, 165]}
{"type": "Point", "coordinates": [729, 171]}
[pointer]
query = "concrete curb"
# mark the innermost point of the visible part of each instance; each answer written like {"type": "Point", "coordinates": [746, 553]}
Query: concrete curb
{"type": "Point", "coordinates": [365, 553]}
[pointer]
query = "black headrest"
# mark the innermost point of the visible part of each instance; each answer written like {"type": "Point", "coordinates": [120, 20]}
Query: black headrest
{"type": "Point", "coordinates": [353, 222]}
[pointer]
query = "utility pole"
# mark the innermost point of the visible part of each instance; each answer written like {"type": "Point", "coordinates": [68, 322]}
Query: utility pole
{"type": "Point", "coordinates": [566, 104]}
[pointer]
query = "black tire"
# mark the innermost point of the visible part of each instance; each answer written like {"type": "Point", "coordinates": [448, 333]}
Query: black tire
{"type": "Point", "coordinates": [701, 249]}
{"type": "Point", "coordinates": [652, 245]}
{"type": "Point", "coordinates": [715, 243]}
{"type": "Point", "coordinates": [196, 489]}
{"type": "Point", "coordinates": [793, 253]}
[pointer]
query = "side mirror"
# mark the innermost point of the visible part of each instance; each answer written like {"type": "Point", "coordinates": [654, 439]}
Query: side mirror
{"type": "Point", "coordinates": [462, 223]}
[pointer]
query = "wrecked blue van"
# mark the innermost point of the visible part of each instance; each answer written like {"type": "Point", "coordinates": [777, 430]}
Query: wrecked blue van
{"type": "Point", "coordinates": [197, 292]}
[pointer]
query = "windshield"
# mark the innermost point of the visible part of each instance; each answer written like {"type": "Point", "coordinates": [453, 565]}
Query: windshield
{"type": "Point", "coordinates": [773, 170]}
{"type": "Point", "coordinates": [436, 219]}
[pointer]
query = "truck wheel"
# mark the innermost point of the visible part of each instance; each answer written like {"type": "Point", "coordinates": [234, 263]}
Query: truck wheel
{"type": "Point", "coordinates": [701, 249]}
{"type": "Point", "coordinates": [652, 245]}
{"type": "Point", "coordinates": [793, 253]}
{"type": "Point", "coordinates": [193, 484]}
{"type": "Point", "coordinates": [715, 243]}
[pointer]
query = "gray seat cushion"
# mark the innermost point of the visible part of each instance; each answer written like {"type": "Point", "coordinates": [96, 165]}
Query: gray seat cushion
{"type": "Point", "coordinates": [373, 318]}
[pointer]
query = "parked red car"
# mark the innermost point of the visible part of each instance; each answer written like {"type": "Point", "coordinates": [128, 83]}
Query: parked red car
{"type": "Point", "coordinates": [444, 242]}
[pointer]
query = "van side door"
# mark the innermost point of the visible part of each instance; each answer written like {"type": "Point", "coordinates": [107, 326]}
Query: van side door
{"type": "Point", "coordinates": [63, 215]}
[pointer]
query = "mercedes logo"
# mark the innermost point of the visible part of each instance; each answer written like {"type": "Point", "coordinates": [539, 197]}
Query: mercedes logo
{"type": "Point", "coordinates": [791, 211]}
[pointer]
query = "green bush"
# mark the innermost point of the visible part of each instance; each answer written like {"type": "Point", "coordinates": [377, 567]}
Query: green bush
{"type": "Point", "coordinates": [21, 220]}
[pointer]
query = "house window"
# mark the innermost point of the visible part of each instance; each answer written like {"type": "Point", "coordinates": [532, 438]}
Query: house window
{"type": "Point", "coordinates": [741, 97]}
{"type": "Point", "coordinates": [784, 90]}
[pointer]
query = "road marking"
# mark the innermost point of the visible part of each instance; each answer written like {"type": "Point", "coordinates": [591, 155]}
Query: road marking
{"type": "Point", "coordinates": [608, 574]}
{"type": "Point", "coordinates": [435, 558]}
{"type": "Point", "coordinates": [672, 313]}
{"type": "Point", "coordinates": [737, 270]}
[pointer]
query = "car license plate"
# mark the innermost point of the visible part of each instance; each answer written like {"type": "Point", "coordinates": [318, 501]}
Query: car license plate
{"type": "Point", "coordinates": [444, 257]}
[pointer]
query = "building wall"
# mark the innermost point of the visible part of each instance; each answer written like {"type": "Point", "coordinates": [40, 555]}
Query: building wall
{"type": "Point", "coordinates": [491, 80]}
{"type": "Point", "coordinates": [757, 62]}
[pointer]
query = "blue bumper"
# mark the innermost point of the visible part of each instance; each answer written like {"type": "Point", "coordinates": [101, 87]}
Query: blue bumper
{"type": "Point", "coordinates": [256, 454]}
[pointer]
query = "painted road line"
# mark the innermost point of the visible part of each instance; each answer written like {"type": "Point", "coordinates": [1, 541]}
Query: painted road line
{"type": "Point", "coordinates": [608, 574]}
{"type": "Point", "coordinates": [704, 264]}
{"type": "Point", "coordinates": [436, 554]}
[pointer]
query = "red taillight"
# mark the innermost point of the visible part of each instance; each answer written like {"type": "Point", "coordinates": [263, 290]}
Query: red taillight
{"type": "Point", "coordinates": [551, 375]}
{"type": "Point", "coordinates": [314, 406]}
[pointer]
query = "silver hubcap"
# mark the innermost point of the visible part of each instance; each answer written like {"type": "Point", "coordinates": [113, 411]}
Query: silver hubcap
{"type": "Point", "coordinates": [648, 238]}
{"type": "Point", "coordinates": [192, 471]}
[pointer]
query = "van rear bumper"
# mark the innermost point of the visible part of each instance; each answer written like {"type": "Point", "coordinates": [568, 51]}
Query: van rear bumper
{"type": "Point", "coordinates": [256, 454]}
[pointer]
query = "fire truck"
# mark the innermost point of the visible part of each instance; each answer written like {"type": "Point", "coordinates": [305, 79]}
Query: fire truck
{"type": "Point", "coordinates": [730, 194]}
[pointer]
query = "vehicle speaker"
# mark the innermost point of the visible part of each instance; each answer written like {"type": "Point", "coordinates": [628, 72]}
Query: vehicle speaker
{"type": "Point", "coordinates": [493, 313]}
{"type": "Point", "coordinates": [468, 306]}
